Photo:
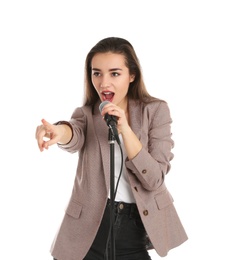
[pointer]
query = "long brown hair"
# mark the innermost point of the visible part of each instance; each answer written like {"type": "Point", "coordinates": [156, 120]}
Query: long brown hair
{"type": "Point", "coordinates": [137, 89]}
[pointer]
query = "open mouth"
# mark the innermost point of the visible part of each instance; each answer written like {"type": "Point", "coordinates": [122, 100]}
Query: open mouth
{"type": "Point", "coordinates": [107, 95]}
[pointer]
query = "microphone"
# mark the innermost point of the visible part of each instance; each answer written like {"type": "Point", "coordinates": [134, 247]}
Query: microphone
{"type": "Point", "coordinates": [111, 121]}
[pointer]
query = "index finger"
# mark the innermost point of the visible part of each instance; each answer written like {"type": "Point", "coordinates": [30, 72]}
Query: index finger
{"type": "Point", "coordinates": [48, 126]}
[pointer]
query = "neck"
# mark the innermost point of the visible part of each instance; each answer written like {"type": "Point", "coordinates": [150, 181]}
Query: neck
{"type": "Point", "coordinates": [124, 105]}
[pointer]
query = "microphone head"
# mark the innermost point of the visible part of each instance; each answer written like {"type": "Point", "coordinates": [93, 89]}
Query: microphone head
{"type": "Point", "coordinates": [101, 106]}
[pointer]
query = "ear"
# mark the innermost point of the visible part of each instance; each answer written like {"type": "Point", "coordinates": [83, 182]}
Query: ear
{"type": "Point", "coordinates": [132, 77]}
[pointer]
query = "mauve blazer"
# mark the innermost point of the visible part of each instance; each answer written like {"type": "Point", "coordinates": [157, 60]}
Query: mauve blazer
{"type": "Point", "coordinates": [146, 173]}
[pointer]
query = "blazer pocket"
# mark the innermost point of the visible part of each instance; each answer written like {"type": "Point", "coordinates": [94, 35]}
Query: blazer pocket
{"type": "Point", "coordinates": [163, 199]}
{"type": "Point", "coordinates": [74, 209]}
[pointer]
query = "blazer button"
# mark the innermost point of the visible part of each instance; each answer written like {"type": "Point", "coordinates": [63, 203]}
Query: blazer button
{"type": "Point", "coordinates": [145, 212]}
{"type": "Point", "coordinates": [144, 171]}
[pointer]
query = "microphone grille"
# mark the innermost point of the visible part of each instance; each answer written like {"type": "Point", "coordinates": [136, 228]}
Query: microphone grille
{"type": "Point", "coordinates": [103, 104]}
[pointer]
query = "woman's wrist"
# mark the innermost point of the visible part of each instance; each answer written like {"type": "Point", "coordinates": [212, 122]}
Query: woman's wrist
{"type": "Point", "coordinates": [68, 132]}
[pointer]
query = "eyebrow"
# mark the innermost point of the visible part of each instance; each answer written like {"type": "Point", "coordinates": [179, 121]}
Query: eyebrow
{"type": "Point", "coordinates": [113, 69]}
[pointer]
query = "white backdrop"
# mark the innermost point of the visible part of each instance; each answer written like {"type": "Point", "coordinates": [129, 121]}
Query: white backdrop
{"type": "Point", "coordinates": [181, 46]}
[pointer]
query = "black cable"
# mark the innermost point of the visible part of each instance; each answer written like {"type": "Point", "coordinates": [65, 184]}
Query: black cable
{"type": "Point", "coordinates": [116, 188]}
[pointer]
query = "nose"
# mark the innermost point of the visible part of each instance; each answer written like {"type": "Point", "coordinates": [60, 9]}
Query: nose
{"type": "Point", "coordinates": [105, 82]}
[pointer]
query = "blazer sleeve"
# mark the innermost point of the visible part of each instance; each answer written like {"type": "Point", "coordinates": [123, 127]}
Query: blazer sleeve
{"type": "Point", "coordinates": [152, 163]}
{"type": "Point", "coordinates": [78, 124]}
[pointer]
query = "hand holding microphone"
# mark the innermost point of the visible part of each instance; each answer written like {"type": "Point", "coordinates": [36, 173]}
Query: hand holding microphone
{"type": "Point", "coordinates": [111, 121]}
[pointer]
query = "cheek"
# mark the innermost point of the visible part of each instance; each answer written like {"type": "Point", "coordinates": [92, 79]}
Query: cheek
{"type": "Point", "coordinates": [125, 86]}
{"type": "Point", "coordinates": [94, 82]}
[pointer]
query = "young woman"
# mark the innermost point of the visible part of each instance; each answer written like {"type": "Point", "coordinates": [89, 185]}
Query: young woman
{"type": "Point", "coordinates": [144, 215]}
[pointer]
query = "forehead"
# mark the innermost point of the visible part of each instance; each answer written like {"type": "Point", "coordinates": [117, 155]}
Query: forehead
{"type": "Point", "coordinates": [108, 60]}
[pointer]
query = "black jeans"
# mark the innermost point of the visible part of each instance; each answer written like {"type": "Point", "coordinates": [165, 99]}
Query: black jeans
{"type": "Point", "coordinates": [130, 235]}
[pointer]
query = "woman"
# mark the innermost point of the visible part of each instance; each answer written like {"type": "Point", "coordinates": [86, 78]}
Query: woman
{"type": "Point", "coordinates": [144, 215]}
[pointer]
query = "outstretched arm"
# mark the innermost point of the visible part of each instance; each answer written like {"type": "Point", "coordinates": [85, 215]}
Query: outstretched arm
{"type": "Point", "coordinates": [61, 134]}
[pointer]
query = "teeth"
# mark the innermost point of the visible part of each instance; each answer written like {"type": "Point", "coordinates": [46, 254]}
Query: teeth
{"type": "Point", "coordinates": [107, 93]}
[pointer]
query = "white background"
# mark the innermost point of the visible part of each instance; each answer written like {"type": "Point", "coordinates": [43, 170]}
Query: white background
{"type": "Point", "coordinates": [182, 49]}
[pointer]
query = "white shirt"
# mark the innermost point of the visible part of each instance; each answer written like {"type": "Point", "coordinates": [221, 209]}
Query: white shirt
{"type": "Point", "coordinates": [124, 192]}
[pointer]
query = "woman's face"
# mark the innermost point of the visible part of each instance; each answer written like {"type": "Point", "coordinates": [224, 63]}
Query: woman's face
{"type": "Point", "coordinates": [111, 77]}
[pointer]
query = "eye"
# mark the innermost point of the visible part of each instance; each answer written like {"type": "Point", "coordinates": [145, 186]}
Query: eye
{"type": "Point", "coordinates": [115, 74]}
{"type": "Point", "coordinates": [96, 74]}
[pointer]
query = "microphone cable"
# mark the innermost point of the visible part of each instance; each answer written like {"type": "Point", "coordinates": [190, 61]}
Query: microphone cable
{"type": "Point", "coordinates": [116, 188]}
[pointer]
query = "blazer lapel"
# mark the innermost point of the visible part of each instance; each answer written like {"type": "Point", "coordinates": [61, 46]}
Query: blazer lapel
{"type": "Point", "coordinates": [102, 129]}
{"type": "Point", "coordinates": [135, 114]}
